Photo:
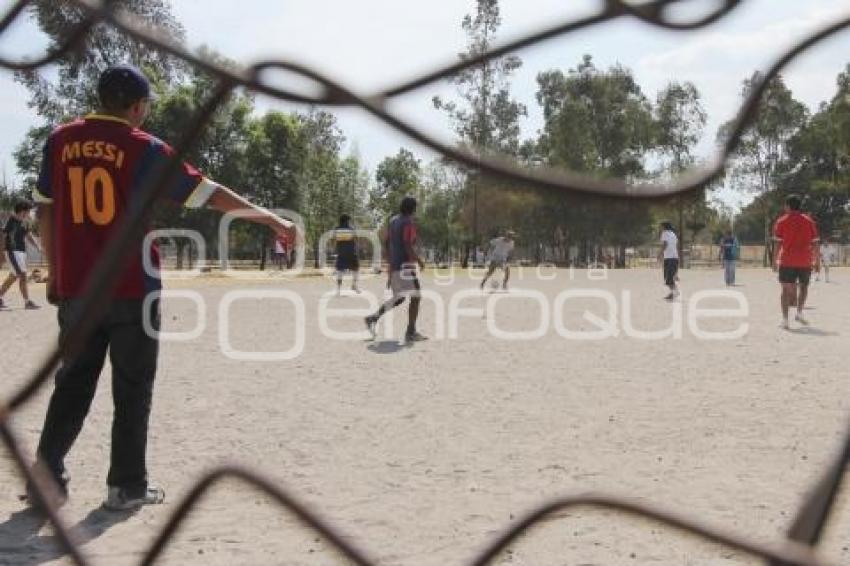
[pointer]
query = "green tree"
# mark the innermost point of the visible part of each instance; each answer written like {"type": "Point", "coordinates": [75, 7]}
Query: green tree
{"type": "Point", "coordinates": [749, 223]}
{"type": "Point", "coordinates": [595, 122]}
{"type": "Point", "coordinates": [601, 124]}
{"type": "Point", "coordinates": [395, 177]}
{"type": "Point", "coordinates": [440, 226]}
{"type": "Point", "coordinates": [219, 152]}
{"type": "Point", "coordinates": [73, 92]}
{"type": "Point", "coordinates": [325, 181]}
{"type": "Point", "coordinates": [344, 193]}
{"type": "Point", "coordinates": [820, 153]}
{"type": "Point", "coordinates": [762, 156]}
{"type": "Point", "coordinates": [274, 161]}
{"type": "Point", "coordinates": [353, 189]}
{"type": "Point", "coordinates": [9, 194]}
{"type": "Point", "coordinates": [680, 119]}
{"type": "Point", "coordinates": [486, 118]}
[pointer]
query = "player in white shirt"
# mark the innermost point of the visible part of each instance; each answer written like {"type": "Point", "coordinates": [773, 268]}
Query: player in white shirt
{"type": "Point", "coordinates": [501, 250]}
{"type": "Point", "coordinates": [827, 257]}
{"type": "Point", "coordinates": [670, 255]}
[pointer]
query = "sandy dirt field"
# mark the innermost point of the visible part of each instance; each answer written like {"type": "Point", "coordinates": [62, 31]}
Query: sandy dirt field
{"type": "Point", "coordinates": [421, 455]}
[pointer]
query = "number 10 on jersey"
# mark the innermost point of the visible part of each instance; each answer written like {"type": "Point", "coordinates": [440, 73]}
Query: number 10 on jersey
{"type": "Point", "coordinates": [92, 195]}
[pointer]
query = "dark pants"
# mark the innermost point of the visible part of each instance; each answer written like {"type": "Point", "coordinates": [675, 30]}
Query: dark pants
{"type": "Point", "coordinates": [133, 355]}
{"type": "Point", "coordinates": [671, 268]}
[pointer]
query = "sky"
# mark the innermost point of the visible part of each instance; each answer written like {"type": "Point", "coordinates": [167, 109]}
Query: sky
{"type": "Point", "coordinates": [370, 45]}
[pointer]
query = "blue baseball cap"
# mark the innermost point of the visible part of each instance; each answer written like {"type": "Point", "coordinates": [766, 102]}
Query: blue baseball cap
{"type": "Point", "coordinates": [122, 85]}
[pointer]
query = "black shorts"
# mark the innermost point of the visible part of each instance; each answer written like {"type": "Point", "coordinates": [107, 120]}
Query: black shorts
{"type": "Point", "coordinates": [800, 275]}
{"type": "Point", "coordinates": [671, 268]}
{"type": "Point", "coordinates": [347, 263]}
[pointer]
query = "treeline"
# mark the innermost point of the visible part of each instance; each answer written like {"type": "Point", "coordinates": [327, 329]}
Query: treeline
{"type": "Point", "coordinates": [599, 122]}
{"type": "Point", "coordinates": [284, 160]}
{"type": "Point", "coordinates": [596, 121]}
{"type": "Point", "coordinates": [792, 150]}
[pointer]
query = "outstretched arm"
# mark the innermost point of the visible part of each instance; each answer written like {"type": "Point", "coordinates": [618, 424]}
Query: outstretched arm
{"type": "Point", "coordinates": [193, 190]}
{"type": "Point", "coordinates": [225, 200]}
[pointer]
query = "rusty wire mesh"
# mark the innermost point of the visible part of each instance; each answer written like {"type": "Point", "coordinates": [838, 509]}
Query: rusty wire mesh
{"type": "Point", "coordinates": [814, 513]}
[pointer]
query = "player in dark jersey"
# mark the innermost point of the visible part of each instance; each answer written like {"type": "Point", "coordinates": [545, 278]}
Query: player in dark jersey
{"type": "Point", "coordinates": [93, 171]}
{"type": "Point", "coordinates": [403, 280]}
{"type": "Point", "coordinates": [16, 234]}
{"type": "Point", "coordinates": [345, 240]}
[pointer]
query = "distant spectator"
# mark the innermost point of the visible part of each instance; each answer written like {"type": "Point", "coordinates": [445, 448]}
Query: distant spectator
{"type": "Point", "coordinates": [827, 257]}
{"type": "Point", "coordinates": [670, 255]}
{"type": "Point", "coordinates": [728, 256]}
{"type": "Point", "coordinates": [281, 251]}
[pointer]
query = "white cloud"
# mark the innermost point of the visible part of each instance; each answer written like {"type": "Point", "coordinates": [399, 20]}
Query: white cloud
{"type": "Point", "coordinates": [717, 60]}
{"type": "Point", "coordinates": [765, 42]}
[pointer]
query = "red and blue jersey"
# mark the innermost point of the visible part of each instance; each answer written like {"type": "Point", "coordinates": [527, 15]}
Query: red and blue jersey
{"type": "Point", "coordinates": [93, 172]}
{"type": "Point", "coordinates": [402, 233]}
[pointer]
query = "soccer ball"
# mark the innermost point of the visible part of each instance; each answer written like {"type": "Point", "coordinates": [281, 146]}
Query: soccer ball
{"type": "Point", "coordinates": [494, 284]}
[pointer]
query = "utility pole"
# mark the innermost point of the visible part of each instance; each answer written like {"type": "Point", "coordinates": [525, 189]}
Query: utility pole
{"type": "Point", "coordinates": [483, 137]}
{"type": "Point", "coordinates": [475, 215]}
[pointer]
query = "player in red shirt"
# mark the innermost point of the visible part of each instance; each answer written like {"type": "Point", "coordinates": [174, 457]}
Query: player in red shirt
{"type": "Point", "coordinates": [797, 235]}
{"type": "Point", "coordinates": [93, 171]}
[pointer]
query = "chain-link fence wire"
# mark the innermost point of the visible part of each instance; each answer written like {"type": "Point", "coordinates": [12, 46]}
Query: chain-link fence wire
{"type": "Point", "coordinates": [813, 515]}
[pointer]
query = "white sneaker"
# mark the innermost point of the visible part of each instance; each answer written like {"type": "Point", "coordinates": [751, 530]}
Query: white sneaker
{"type": "Point", "coordinates": [801, 319]}
{"type": "Point", "coordinates": [785, 325]}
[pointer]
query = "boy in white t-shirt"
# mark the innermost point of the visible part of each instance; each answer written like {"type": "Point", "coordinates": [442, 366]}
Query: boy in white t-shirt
{"type": "Point", "coordinates": [501, 250]}
{"type": "Point", "coordinates": [827, 257]}
{"type": "Point", "coordinates": [670, 255]}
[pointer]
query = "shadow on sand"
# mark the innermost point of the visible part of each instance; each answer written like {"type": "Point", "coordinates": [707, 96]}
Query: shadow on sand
{"type": "Point", "coordinates": [387, 347]}
{"type": "Point", "coordinates": [812, 331]}
{"type": "Point", "coordinates": [20, 542]}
